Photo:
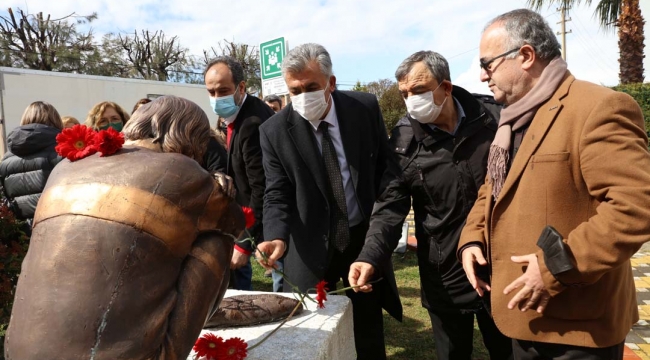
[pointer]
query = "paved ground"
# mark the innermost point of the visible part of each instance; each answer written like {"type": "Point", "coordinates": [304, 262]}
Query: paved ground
{"type": "Point", "coordinates": [639, 338]}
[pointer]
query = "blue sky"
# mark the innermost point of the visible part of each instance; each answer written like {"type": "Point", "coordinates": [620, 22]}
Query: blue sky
{"type": "Point", "coordinates": [366, 39]}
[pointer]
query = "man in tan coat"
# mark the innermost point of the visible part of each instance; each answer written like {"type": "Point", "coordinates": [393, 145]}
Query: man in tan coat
{"type": "Point", "coordinates": [569, 155]}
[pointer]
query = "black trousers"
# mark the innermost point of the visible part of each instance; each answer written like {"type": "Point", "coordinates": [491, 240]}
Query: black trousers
{"type": "Point", "coordinates": [366, 307]}
{"type": "Point", "coordinates": [453, 334]}
{"type": "Point", "coordinates": [531, 350]}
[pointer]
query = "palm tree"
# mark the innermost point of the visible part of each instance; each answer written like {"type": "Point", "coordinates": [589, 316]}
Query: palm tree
{"type": "Point", "coordinates": [624, 14]}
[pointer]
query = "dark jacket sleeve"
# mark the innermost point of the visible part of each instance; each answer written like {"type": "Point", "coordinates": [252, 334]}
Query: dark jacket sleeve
{"type": "Point", "coordinates": [216, 157]}
{"type": "Point", "coordinates": [279, 195]}
{"type": "Point", "coordinates": [252, 156]}
{"type": "Point", "coordinates": [388, 215]}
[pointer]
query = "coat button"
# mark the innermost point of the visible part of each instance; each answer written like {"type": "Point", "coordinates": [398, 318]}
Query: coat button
{"type": "Point", "coordinates": [324, 237]}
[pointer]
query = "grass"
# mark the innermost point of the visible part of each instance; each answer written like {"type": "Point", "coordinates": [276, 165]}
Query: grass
{"type": "Point", "coordinates": [412, 338]}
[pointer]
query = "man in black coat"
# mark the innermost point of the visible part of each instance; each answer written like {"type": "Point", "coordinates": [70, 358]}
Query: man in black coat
{"type": "Point", "coordinates": [325, 155]}
{"type": "Point", "coordinates": [243, 115]}
{"type": "Point", "coordinates": [442, 145]}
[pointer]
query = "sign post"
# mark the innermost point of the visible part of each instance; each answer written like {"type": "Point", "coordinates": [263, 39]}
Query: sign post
{"type": "Point", "coordinates": [271, 56]}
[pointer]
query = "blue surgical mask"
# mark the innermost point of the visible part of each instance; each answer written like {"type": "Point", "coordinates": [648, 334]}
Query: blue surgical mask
{"type": "Point", "coordinates": [224, 106]}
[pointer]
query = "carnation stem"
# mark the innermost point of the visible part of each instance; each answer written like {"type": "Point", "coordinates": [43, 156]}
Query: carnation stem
{"type": "Point", "coordinates": [280, 325]}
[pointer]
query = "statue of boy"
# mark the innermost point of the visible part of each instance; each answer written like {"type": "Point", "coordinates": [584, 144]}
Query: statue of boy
{"type": "Point", "coordinates": [130, 252]}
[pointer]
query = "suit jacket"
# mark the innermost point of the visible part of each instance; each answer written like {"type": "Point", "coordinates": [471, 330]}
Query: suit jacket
{"type": "Point", "coordinates": [245, 160]}
{"type": "Point", "coordinates": [296, 207]}
{"type": "Point", "coordinates": [583, 167]}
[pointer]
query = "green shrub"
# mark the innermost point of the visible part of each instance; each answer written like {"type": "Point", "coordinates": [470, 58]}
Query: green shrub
{"type": "Point", "coordinates": [13, 247]}
{"type": "Point", "coordinates": [640, 93]}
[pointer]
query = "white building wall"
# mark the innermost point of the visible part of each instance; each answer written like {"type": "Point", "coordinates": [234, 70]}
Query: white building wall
{"type": "Point", "coordinates": [74, 95]}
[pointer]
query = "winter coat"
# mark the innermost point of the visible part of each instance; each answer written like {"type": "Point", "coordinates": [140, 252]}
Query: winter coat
{"type": "Point", "coordinates": [441, 174]}
{"type": "Point", "coordinates": [27, 165]}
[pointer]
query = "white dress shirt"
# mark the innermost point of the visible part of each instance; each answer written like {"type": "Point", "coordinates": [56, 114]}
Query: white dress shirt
{"type": "Point", "coordinates": [354, 213]}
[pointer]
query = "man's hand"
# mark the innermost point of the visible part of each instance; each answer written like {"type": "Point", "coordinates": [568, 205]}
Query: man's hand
{"type": "Point", "coordinates": [226, 183]}
{"type": "Point", "coordinates": [238, 259]}
{"type": "Point", "coordinates": [360, 274]}
{"type": "Point", "coordinates": [470, 256]}
{"type": "Point", "coordinates": [533, 291]}
{"type": "Point", "coordinates": [273, 250]}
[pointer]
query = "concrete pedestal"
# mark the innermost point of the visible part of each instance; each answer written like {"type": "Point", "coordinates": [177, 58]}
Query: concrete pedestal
{"type": "Point", "coordinates": [316, 334]}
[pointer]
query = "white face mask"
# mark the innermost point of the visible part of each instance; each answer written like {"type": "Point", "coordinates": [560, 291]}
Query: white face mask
{"type": "Point", "coordinates": [310, 105]}
{"type": "Point", "coordinates": [422, 108]}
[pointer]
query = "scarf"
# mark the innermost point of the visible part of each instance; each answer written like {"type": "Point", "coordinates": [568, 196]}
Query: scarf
{"type": "Point", "coordinates": [518, 115]}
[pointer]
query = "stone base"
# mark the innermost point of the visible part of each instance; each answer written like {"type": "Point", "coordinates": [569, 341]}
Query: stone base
{"type": "Point", "coordinates": [316, 334]}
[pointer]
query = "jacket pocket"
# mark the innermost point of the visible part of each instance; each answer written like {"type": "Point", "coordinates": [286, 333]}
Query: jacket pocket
{"type": "Point", "coordinates": [540, 158]}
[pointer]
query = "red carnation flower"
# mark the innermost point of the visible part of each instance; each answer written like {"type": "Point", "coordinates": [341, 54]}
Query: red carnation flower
{"type": "Point", "coordinates": [76, 142]}
{"type": "Point", "coordinates": [249, 216]}
{"type": "Point", "coordinates": [208, 345]}
{"type": "Point", "coordinates": [109, 141]}
{"type": "Point", "coordinates": [321, 293]}
{"type": "Point", "coordinates": [232, 349]}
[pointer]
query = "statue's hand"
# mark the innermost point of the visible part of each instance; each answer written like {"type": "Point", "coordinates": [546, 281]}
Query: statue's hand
{"type": "Point", "coordinates": [226, 183]}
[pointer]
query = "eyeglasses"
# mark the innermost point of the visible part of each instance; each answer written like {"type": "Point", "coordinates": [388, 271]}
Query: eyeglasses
{"type": "Point", "coordinates": [485, 64]}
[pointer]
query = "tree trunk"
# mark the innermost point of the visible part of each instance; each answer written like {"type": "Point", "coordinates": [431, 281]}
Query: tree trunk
{"type": "Point", "coordinates": [630, 42]}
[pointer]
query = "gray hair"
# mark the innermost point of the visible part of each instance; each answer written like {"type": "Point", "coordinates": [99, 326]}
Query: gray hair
{"type": "Point", "coordinates": [436, 63]}
{"type": "Point", "coordinates": [177, 124]}
{"type": "Point", "coordinates": [526, 27]}
{"type": "Point", "coordinates": [273, 98]}
{"type": "Point", "coordinates": [299, 58]}
{"type": "Point", "coordinates": [236, 70]}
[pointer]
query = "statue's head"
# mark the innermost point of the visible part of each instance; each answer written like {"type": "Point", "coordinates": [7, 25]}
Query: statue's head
{"type": "Point", "coordinates": [175, 124]}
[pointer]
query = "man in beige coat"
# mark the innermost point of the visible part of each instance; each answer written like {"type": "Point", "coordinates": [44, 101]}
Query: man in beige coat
{"type": "Point", "coordinates": [571, 155]}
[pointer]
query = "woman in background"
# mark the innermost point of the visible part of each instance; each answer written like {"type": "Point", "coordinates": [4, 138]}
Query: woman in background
{"type": "Point", "coordinates": [31, 157]}
{"type": "Point", "coordinates": [69, 121]}
{"type": "Point", "coordinates": [107, 114]}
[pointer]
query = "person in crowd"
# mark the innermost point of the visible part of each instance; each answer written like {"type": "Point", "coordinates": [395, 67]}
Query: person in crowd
{"type": "Point", "coordinates": [565, 203]}
{"type": "Point", "coordinates": [442, 145]}
{"type": "Point", "coordinates": [139, 104]}
{"type": "Point", "coordinates": [107, 114]}
{"type": "Point", "coordinates": [130, 252]}
{"type": "Point", "coordinates": [69, 121]}
{"type": "Point", "coordinates": [325, 155]}
{"type": "Point", "coordinates": [242, 114]}
{"type": "Point", "coordinates": [30, 158]}
{"type": "Point", "coordinates": [274, 102]}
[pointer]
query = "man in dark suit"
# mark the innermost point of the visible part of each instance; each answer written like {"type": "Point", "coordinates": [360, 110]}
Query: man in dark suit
{"type": "Point", "coordinates": [325, 155]}
{"type": "Point", "coordinates": [243, 114]}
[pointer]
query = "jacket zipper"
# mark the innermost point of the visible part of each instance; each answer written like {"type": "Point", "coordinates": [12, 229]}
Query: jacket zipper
{"type": "Point", "coordinates": [426, 190]}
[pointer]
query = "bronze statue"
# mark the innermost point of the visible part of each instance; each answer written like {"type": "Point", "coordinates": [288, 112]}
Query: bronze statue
{"type": "Point", "coordinates": [130, 252]}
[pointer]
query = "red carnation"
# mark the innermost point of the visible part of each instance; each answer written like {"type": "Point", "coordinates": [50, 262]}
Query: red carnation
{"type": "Point", "coordinates": [249, 216]}
{"type": "Point", "coordinates": [76, 142]}
{"type": "Point", "coordinates": [109, 141]}
{"type": "Point", "coordinates": [208, 345]}
{"type": "Point", "coordinates": [321, 293]}
{"type": "Point", "coordinates": [232, 349]}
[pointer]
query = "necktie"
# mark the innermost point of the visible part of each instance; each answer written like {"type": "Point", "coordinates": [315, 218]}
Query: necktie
{"type": "Point", "coordinates": [231, 126]}
{"type": "Point", "coordinates": [339, 227]}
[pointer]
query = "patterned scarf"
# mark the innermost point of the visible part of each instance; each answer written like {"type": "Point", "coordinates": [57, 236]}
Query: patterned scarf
{"type": "Point", "coordinates": [518, 115]}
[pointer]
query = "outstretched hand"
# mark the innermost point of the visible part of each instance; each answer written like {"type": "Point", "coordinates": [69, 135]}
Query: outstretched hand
{"type": "Point", "coordinates": [360, 275]}
{"type": "Point", "coordinates": [268, 252]}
